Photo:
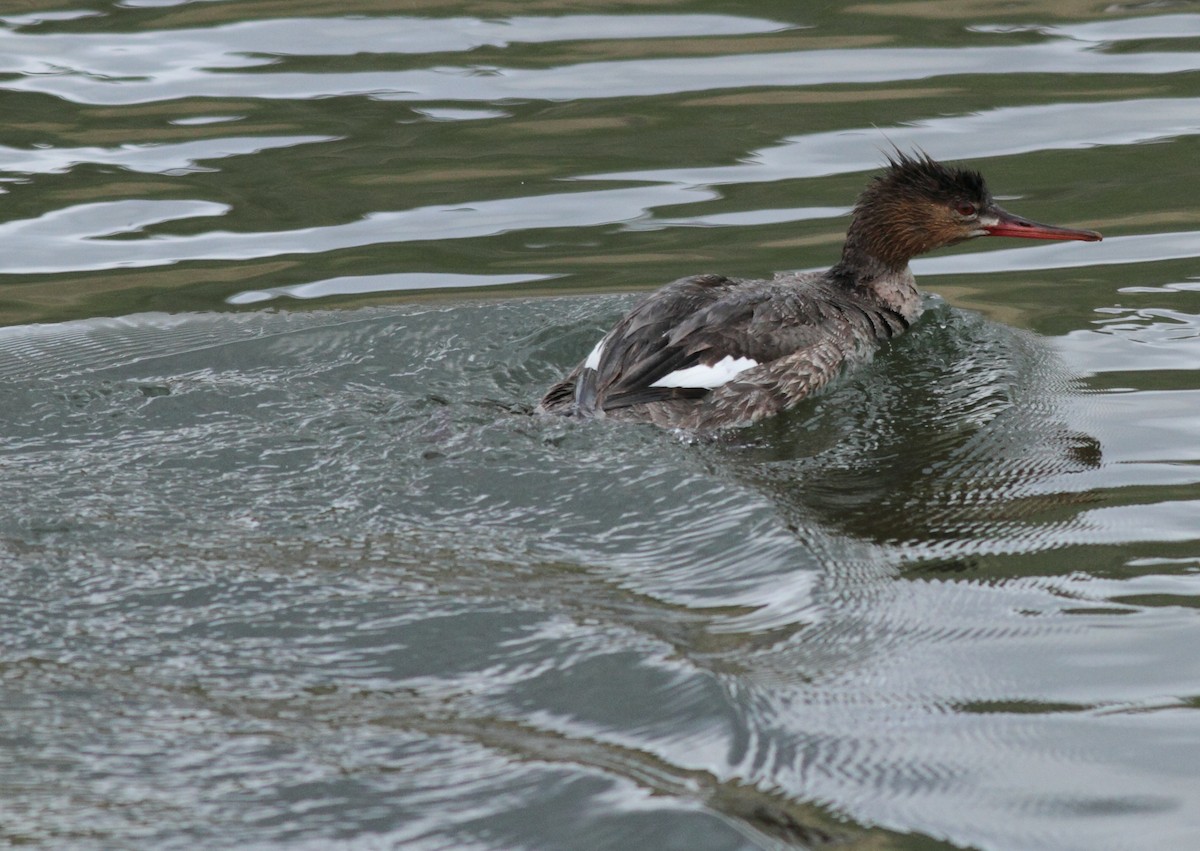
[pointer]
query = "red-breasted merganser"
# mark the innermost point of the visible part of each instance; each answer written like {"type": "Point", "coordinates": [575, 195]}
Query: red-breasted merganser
{"type": "Point", "coordinates": [709, 352]}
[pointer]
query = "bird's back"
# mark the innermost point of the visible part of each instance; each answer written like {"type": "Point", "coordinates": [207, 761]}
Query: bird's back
{"type": "Point", "coordinates": [709, 351]}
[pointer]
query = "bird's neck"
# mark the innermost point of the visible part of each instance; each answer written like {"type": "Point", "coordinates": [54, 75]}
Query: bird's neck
{"type": "Point", "coordinates": [882, 236]}
{"type": "Point", "coordinates": [878, 266]}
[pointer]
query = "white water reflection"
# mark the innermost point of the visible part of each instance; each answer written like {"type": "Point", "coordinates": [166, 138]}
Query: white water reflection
{"type": "Point", "coordinates": [1005, 131]}
{"type": "Point", "coordinates": [158, 158]}
{"type": "Point", "coordinates": [168, 53]}
{"type": "Point", "coordinates": [145, 78]}
{"type": "Point", "coordinates": [71, 239]}
{"type": "Point", "coordinates": [1121, 29]}
{"type": "Point", "coordinates": [398, 282]}
{"type": "Point", "coordinates": [742, 218]}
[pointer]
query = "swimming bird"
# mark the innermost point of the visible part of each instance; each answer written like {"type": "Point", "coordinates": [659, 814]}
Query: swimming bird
{"type": "Point", "coordinates": [709, 352]}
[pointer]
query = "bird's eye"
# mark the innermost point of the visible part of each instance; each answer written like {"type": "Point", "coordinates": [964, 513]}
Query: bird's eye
{"type": "Point", "coordinates": [966, 208]}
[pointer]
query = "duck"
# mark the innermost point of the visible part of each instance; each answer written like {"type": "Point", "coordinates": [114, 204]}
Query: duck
{"type": "Point", "coordinates": [710, 352]}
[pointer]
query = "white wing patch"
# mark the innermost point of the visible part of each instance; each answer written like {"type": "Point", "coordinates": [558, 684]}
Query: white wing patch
{"type": "Point", "coordinates": [593, 360]}
{"type": "Point", "coordinates": [707, 375]}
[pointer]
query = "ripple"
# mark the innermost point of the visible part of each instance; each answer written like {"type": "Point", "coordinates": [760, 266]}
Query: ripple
{"type": "Point", "coordinates": [1002, 131]}
{"type": "Point", "coordinates": [632, 78]}
{"type": "Point", "coordinates": [251, 41]}
{"type": "Point", "coordinates": [397, 282]}
{"type": "Point", "coordinates": [66, 240]}
{"type": "Point", "coordinates": [173, 63]}
{"type": "Point", "coordinates": [162, 158]}
{"type": "Point", "coordinates": [1123, 29]}
{"type": "Point", "coordinates": [658, 618]}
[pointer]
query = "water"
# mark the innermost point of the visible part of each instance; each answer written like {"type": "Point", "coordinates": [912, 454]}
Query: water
{"type": "Point", "coordinates": [286, 562]}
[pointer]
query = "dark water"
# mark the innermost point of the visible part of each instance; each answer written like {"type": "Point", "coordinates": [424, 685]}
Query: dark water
{"type": "Point", "coordinates": [286, 563]}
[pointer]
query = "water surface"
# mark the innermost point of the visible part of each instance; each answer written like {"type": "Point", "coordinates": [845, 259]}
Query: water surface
{"type": "Point", "coordinates": [287, 562]}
